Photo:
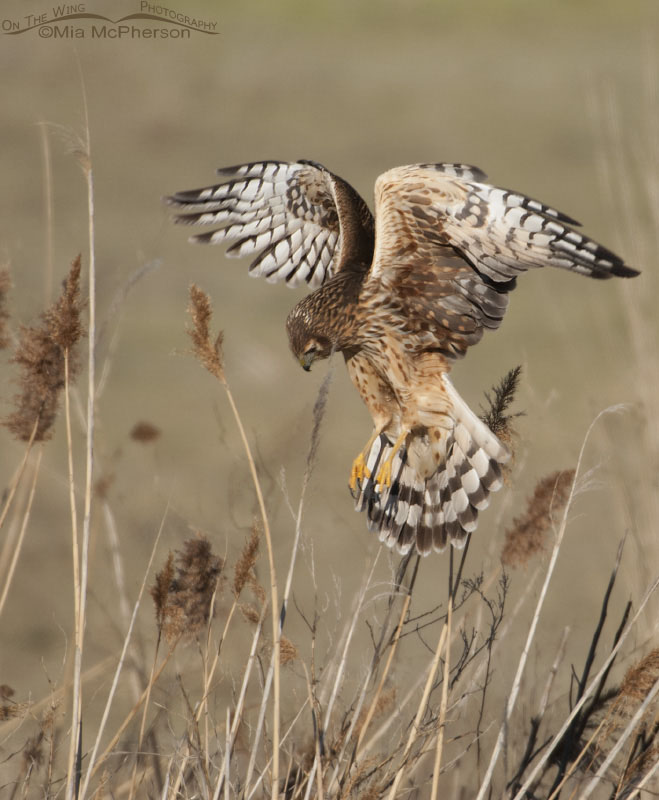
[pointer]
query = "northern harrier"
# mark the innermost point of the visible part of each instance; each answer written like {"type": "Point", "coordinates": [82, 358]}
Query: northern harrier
{"type": "Point", "coordinates": [401, 295]}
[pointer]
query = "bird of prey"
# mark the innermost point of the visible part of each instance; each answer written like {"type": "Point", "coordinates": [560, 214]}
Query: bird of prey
{"type": "Point", "coordinates": [401, 294]}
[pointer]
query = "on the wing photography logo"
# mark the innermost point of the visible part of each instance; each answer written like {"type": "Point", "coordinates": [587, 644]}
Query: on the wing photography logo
{"type": "Point", "coordinates": [73, 21]}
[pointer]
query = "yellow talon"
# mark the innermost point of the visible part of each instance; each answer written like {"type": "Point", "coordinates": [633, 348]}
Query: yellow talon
{"type": "Point", "coordinates": [359, 471]}
{"type": "Point", "coordinates": [384, 473]}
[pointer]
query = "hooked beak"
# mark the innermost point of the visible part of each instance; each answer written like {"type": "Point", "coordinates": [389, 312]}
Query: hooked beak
{"type": "Point", "coordinates": [306, 361]}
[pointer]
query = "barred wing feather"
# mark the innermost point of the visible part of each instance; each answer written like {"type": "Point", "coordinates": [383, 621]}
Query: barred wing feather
{"type": "Point", "coordinates": [500, 233]}
{"type": "Point", "coordinates": [298, 219]}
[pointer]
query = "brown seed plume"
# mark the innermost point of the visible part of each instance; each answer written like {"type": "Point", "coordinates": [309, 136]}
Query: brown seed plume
{"type": "Point", "coordinates": [41, 354]}
{"type": "Point", "coordinates": [207, 352]}
{"type": "Point", "coordinates": [160, 590]}
{"type": "Point", "coordinates": [287, 651]}
{"type": "Point", "coordinates": [526, 537]}
{"type": "Point", "coordinates": [244, 568]}
{"type": "Point", "coordinates": [634, 688]}
{"type": "Point", "coordinates": [641, 677]}
{"type": "Point", "coordinates": [183, 590]}
{"type": "Point", "coordinates": [250, 614]}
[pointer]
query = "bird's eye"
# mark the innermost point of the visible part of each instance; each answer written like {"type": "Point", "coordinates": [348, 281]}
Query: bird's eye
{"type": "Point", "coordinates": [311, 351]}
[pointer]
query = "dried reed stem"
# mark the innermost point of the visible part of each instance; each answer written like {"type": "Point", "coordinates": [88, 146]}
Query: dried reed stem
{"type": "Point", "coordinates": [290, 729]}
{"type": "Point", "coordinates": [227, 757]}
{"type": "Point", "coordinates": [21, 536]}
{"type": "Point", "coordinates": [274, 597]}
{"type": "Point", "coordinates": [131, 714]}
{"type": "Point", "coordinates": [385, 673]}
{"type": "Point", "coordinates": [209, 354]}
{"type": "Point", "coordinates": [120, 664]}
{"type": "Point", "coordinates": [587, 692]}
{"type": "Point", "coordinates": [318, 412]}
{"type": "Point", "coordinates": [350, 634]}
{"type": "Point", "coordinates": [48, 209]}
{"type": "Point", "coordinates": [389, 721]}
{"type": "Point", "coordinates": [359, 749]}
{"type": "Point", "coordinates": [209, 677]}
{"type": "Point", "coordinates": [75, 547]}
{"type": "Point", "coordinates": [575, 764]}
{"type": "Point", "coordinates": [16, 478]}
{"type": "Point", "coordinates": [420, 712]}
{"type": "Point", "coordinates": [238, 713]}
{"type": "Point", "coordinates": [645, 780]}
{"type": "Point", "coordinates": [74, 755]}
{"type": "Point", "coordinates": [55, 696]}
{"type": "Point", "coordinates": [613, 752]}
{"type": "Point", "coordinates": [512, 699]}
{"type": "Point", "coordinates": [317, 757]}
{"type": "Point", "coordinates": [145, 708]}
{"type": "Point", "coordinates": [341, 666]}
{"type": "Point", "coordinates": [444, 701]}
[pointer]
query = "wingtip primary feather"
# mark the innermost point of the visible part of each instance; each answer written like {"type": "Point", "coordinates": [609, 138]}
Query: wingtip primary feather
{"type": "Point", "coordinates": [623, 271]}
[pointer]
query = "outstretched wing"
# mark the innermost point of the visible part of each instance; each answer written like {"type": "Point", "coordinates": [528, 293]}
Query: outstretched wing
{"type": "Point", "coordinates": [448, 247]}
{"type": "Point", "coordinates": [302, 222]}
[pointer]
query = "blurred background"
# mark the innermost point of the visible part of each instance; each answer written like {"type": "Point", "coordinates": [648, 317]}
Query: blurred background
{"type": "Point", "coordinates": [558, 100]}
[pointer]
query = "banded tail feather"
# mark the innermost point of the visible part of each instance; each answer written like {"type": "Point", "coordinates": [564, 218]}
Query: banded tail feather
{"type": "Point", "coordinates": [428, 512]}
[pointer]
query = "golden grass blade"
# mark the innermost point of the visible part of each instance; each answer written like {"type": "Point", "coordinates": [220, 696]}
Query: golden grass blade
{"type": "Point", "coordinates": [512, 699]}
{"type": "Point", "coordinates": [238, 713]}
{"type": "Point", "coordinates": [613, 752]}
{"type": "Point", "coordinates": [274, 597]}
{"type": "Point", "coordinates": [210, 356]}
{"type": "Point", "coordinates": [286, 735]}
{"type": "Point", "coordinates": [588, 691]}
{"type": "Point", "coordinates": [16, 478]}
{"type": "Point", "coordinates": [48, 208]}
{"type": "Point", "coordinates": [318, 411]}
{"type": "Point", "coordinates": [419, 714]}
{"type": "Point", "coordinates": [120, 664]}
{"type": "Point", "coordinates": [385, 673]}
{"type": "Point", "coordinates": [318, 761]}
{"type": "Point", "coordinates": [131, 714]}
{"type": "Point", "coordinates": [575, 764]}
{"type": "Point", "coordinates": [444, 703]}
{"type": "Point", "coordinates": [81, 590]}
{"type": "Point", "coordinates": [340, 669]}
{"type": "Point", "coordinates": [21, 535]}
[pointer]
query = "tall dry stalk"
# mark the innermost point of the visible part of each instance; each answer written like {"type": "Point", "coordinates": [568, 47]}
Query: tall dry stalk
{"type": "Point", "coordinates": [80, 588]}
{"type": "Point", "coordinates": [48, 211]}
{"type": "Point", "coordinates": [47, 358]}
{"type": "Point", "coordinates": [21, 536]}
{"type": "Point", "coordinates": [209, 353]}
{"type": "Point", "coordinates": [91, 767]}
{"type": "Point", "coordinates": [514, 691]}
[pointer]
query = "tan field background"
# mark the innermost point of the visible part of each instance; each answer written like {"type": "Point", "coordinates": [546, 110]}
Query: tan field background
{"type": "Point", "coordinates": [558, 100]}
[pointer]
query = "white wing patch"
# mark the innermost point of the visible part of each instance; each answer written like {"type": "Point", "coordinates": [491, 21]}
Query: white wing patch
{"type": "Point", "coordinates": [499, 232]}
{"type": "Point", "coordinates": [285, 213]}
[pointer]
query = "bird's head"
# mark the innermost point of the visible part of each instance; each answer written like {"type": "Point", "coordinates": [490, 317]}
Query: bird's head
{"type": "Point", "coordinates": [306, 342]}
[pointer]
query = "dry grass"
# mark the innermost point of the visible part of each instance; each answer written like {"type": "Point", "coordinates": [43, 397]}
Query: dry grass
{"type": "Point", "coordinates": [380, 736]}
{"type": "Point", "coordinates": [528, 534]}
{"type": "Point", "coordinates": [294, 688]}
{"type": "Point", "coordinates": [184, 589]}
{"type": "Point", "coordinates": [41, 355]}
